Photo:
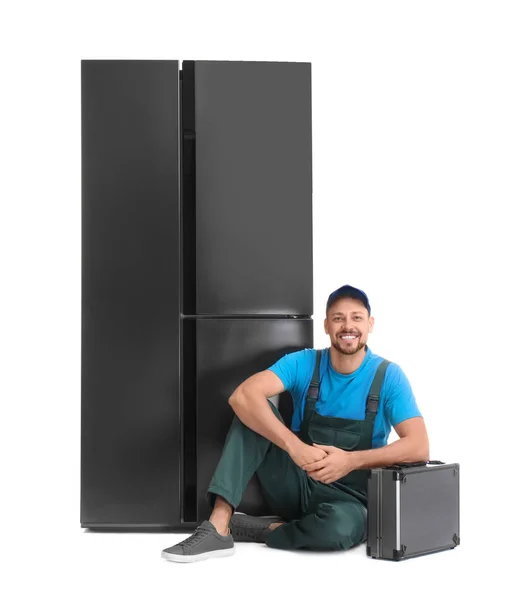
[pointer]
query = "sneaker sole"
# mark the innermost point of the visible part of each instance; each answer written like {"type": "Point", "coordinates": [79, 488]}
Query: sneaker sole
{"type": "Point", "coordinates": [187, 558]}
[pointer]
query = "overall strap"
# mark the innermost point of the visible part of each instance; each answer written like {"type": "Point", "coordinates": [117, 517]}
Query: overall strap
{"type": "Point", "coordinates": [313, 390]}
{"type": "Point", "coordinates": [311, 396]}
{"type": "Point", "coordinates": [375, 390]}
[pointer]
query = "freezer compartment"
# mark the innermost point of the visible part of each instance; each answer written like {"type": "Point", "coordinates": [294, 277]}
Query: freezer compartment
{"type": "Point", "coordinates": [227, 351]}
{"type": "Point", "coordinates": [130, 294]}
{"type": "Point", "coordinates": [247, 188]}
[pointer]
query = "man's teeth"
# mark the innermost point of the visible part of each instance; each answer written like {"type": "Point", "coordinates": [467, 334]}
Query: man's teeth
{"type": "Point", "coordinates": [349, 337]}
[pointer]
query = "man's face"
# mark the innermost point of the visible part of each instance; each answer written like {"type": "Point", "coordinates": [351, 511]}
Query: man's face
{"type": "Point", "coordinates": [348, 324]}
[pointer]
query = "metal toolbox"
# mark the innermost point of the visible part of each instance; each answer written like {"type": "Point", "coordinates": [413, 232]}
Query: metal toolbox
{"type": "Point", "coordinates": [413, 509]}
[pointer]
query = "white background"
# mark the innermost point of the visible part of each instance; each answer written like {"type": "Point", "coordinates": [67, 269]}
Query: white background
{"type": "Point", "coordinates": [412, 172]}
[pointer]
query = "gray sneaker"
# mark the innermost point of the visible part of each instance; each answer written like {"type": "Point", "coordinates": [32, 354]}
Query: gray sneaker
{"type": "Point", "coordinates": [204, 543]}
{"type": "Point", "coordinates": [246, 528]}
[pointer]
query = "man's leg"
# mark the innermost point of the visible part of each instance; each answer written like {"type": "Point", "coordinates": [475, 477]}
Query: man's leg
{"type": "Point", "coordinates": [221, 515]}
{"type": "Point", "coordinates": [336, 524]}
{"type": "Point", "coordinates": [283, 483]}
{"type": "Point", "coordinates": [285, 487]}
{"type": "Point", "coordinates": [243, 453]}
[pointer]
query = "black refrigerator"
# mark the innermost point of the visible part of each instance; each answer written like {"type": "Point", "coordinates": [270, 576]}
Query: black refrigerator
{"type": "Point", "coordinates": [196, 270]}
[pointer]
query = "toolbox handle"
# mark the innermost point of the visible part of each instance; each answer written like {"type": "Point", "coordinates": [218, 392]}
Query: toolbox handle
{"type": "Point", "coordinates": [421, 463]}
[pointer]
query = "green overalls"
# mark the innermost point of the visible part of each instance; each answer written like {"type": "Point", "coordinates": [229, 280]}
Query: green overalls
{"type": "Point", "coordinates": [318, 516]}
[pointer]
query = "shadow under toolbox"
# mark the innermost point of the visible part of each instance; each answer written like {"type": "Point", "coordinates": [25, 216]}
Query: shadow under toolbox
{"type": "Point", "coordinates": [413, 509]}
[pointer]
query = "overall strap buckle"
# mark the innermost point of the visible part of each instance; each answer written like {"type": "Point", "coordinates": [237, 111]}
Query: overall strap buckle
{"type": "Point", "coordinates": [313, 389]}
{"type": "Point", "coordinates": [375, 390]}
{"type": "Point", "coordinates": [372, 403]}
{"type": "Point", "coordinates": [311, 400]}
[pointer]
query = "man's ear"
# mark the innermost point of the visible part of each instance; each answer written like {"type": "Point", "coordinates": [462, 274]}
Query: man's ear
{"type": "Point", "coordinates": [326, 326]}
{"type": "Point", "coordinates": [371, 324]}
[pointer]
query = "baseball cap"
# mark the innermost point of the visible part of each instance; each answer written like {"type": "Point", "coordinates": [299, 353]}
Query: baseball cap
{"type": "Point", "coordinates": [348, 291]}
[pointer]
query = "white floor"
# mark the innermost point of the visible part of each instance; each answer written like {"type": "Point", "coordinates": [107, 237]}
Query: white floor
{"type": "Point", "coordinates": [80, 564]}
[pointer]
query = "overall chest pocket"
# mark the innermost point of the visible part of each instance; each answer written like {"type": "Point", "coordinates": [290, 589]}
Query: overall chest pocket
{"type": "Point", "coordinates": [344, 437]}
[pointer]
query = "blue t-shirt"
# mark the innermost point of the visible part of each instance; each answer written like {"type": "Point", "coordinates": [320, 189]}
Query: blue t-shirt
{"type": "Point", "coordinates": [345, 396]}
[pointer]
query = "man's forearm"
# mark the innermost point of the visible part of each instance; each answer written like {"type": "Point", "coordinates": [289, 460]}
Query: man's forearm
{"type": "Point", "coordinates": [406, 449]}
{"type": "Point", "coordinates": [256, 414]}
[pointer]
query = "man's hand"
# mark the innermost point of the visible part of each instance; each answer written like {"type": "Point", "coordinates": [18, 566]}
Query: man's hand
{"type": "Point", "coordinates": [303, 454]}
{"type": "Point", "coordinates": [337, 463]}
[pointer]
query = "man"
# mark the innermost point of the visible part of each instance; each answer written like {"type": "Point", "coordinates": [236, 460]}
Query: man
{"type": "Point", "coordinates": [314, 476]}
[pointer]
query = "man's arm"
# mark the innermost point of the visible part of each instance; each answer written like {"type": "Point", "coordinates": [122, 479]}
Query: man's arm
{"type": "Point", "coordinates": [249, 402]}
{"type": "Point", "coordinates": [413, 446]}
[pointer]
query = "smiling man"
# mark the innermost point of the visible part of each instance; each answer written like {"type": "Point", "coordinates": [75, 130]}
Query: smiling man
{"type": "Point", "coordinates": [314, 475]}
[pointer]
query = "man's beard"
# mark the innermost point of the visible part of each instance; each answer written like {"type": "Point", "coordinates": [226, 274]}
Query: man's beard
{"type": "Point", "coordinates": [349, 349]}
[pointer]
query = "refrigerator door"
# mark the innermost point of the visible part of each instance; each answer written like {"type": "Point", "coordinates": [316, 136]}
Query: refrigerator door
{"type": "Point", "coordinates": [248, 241]}
{"type": "Point", "coordinates": [228, 351]}
{"type": "Point", "coordinates": [130, 294]}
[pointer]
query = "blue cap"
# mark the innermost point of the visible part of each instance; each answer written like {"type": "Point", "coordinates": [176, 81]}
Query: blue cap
{"type": "Point", "coordinates": [348, 291]}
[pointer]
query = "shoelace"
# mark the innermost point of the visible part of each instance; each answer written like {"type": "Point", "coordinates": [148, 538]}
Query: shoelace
{"type": "Point", "coordinates": [196, 537]}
